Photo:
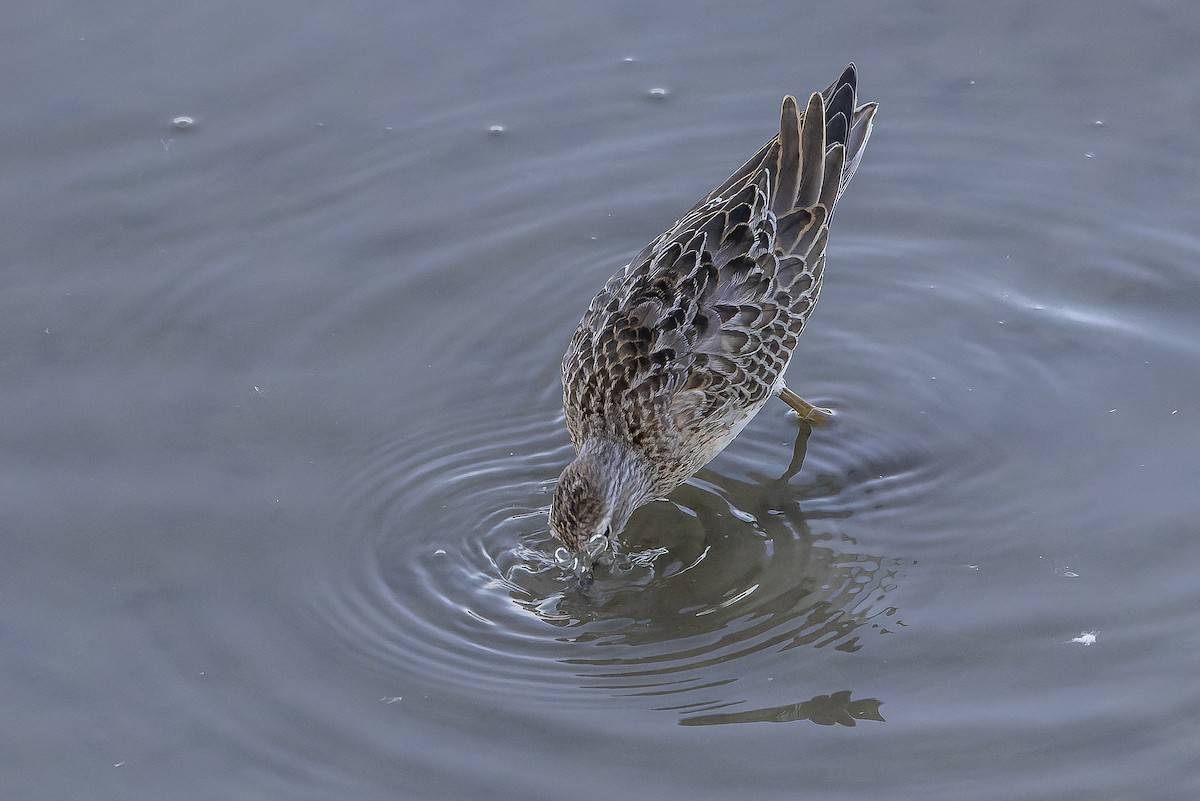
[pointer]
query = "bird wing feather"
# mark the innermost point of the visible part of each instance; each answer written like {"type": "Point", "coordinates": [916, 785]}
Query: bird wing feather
{"type": "Point", "coordinates": [705, 317]}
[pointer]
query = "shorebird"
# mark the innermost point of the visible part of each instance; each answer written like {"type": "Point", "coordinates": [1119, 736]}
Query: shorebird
{"type": "Point", "coordinates": [685, 344]}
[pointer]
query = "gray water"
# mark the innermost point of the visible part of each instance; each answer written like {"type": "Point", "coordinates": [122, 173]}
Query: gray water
{"type": "Point", "coordinates": [281, 412]}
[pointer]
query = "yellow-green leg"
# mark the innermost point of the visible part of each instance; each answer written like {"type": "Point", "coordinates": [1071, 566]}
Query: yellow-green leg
{"type": "Point", "coordinates": [814, 415]}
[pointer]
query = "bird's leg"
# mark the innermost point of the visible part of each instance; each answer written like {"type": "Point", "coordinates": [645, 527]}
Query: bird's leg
{"type": "Point", "coordinates": [814, 415]}
{"type": "Point", "coordinates": [799, 449]}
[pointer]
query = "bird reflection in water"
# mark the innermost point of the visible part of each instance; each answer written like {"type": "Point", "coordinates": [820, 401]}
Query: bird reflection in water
{"type": "Point", "coordinates": [824, 710]}
{"type": "Point", "coordinates": [721, 571]}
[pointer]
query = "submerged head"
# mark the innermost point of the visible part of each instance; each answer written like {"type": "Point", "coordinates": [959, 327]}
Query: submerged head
{"type": "Point", "coordinates": [581, 514]}
{"type": "Point", "coordinates": [595, 496]}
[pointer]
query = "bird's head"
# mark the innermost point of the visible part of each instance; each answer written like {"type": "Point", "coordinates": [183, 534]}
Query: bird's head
{"type": "Point", "coordinates": [595, 495]}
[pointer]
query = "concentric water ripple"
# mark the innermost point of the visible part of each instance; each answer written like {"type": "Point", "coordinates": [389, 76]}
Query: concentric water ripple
{"type": "Point", "coordinates": [447, 568]}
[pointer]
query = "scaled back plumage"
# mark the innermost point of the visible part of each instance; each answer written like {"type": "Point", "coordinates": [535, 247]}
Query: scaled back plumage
{"type": "Point", "coordinates": [686, 343]}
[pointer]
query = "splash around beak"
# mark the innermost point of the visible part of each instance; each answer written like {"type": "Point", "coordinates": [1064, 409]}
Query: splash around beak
{"type": "Point", "coordinates": [581, 563]}
{"type": "Point", "coordinates": [596, 546]}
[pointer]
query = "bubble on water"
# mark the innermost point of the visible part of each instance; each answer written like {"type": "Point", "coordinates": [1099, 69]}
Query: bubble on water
{"type": "Point", "coordinates": [657, 93]}
{"type": "Point", "coordinates": [183, 123]}
{"type": "Point", "coordinates": [1085, 638]}
{"type": "Point", "coordinates": [496, 130]}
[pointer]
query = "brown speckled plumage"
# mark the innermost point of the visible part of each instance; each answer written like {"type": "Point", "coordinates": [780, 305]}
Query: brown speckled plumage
{"type": "Point", "coordinates": [688, 342]}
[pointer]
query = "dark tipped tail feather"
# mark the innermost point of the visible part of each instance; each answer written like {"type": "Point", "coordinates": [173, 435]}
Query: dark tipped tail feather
{"type": "Point", "coordinates": [813, 157]}
{"type": "Point", "coordinates": [847, 123]}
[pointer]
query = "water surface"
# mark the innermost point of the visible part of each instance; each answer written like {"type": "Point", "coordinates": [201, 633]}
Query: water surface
{"type": "Point", "coordinates": [282, 413]}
